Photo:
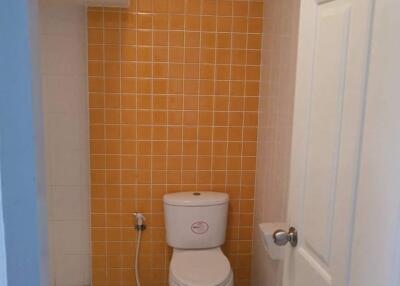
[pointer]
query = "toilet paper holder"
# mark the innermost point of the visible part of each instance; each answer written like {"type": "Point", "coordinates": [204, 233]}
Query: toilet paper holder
{"type": "Point", "coordinates": [267, 231]}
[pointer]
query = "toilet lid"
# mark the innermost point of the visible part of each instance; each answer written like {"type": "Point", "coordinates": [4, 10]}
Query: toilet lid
{"type": "Point", "coordinates": [205, 267]}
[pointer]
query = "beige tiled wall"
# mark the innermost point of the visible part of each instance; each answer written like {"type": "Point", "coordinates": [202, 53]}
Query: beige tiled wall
{"type": "Point", "coordinates": [65, 107]}
{"type": "Point", "coordinates": [173, 89]}
{"type": "Point", "coordinates": [275, 126]}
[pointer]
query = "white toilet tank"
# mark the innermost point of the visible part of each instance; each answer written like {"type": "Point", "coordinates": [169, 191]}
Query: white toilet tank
{"type": "Point", "coordinates": [195, 220]}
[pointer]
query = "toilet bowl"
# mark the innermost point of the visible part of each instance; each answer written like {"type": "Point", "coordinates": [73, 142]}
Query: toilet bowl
{"type": "Point", "coordinates": [195, 227]}
{"type": "Point", "coordinates": [206, 267]}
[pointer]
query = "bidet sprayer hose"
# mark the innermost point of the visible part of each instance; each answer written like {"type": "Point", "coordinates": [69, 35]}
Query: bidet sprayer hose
{"type": "Point", "coordinates": [139, 226]}
{"type": "Point", "coordinates": [139, 234]}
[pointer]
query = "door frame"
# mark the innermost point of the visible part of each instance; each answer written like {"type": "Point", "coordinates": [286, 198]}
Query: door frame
{"type": "Point", "coordinates": [22, 186]}
{"type": "Point", "coordinates": [3, 261]}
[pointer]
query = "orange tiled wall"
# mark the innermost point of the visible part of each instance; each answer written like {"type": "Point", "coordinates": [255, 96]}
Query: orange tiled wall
{"type": "Point", "coordinates": [173, 87]}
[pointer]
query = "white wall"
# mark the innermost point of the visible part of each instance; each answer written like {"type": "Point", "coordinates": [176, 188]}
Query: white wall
{"type": "Point", "coordinates": [275, 128]}
{"type": "Point", "coordinates": [65, 105]}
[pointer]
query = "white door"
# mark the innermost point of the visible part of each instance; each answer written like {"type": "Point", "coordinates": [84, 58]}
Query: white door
{"type": "Point", "coordinates": [330, 97]}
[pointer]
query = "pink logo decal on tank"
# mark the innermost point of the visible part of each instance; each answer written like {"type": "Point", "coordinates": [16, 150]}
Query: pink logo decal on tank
{"type": "Point", "coordinates": [200, 227]}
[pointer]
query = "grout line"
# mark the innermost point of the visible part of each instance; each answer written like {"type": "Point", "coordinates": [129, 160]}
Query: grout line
{"type": "Point", "coordinates": [198, 100]}
{"type": "Point", "coordinates": [214, 93]}
{"type": "Point", "coordinates": [165, 262]}
{"type": "Point", "coordinates": [104, 132]}
{"type": "Point", "coordinates": [120, 120]}
{"type": "Point", "coordinates": [183, 96]}
{"type": "Point", "coordinates": [136, 131]}
{"type": "Point", "coordinates": [151, 119]}
{"type": "Point", "coordinates": [229, 102]}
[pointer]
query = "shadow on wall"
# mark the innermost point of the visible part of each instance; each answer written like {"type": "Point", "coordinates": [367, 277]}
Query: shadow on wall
{"type": "Point", "coordinates": [278, 72]}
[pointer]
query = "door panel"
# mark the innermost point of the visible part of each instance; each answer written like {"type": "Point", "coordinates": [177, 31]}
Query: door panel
{"type": "Point", "coordinates": [328, 119]}
{"type": "Point", "coordinates": [325, 126]}
{"type": "Point", "coordinates": [310, 272]}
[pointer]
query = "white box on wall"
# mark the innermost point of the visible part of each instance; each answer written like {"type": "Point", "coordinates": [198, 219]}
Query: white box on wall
{"type": "Point", "coordinates": [108, 3]}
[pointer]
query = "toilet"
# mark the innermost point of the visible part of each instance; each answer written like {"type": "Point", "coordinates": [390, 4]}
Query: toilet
{"type": "Point", "coordinates": [195, 225]}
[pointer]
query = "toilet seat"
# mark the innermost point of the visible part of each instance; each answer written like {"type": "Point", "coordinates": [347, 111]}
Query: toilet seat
{"type": "Point", "coordinates": [204, 267]}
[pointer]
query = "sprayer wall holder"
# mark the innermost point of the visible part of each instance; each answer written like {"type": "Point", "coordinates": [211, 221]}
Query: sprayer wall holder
{"type": "Point", "coordinates": [140, 227]}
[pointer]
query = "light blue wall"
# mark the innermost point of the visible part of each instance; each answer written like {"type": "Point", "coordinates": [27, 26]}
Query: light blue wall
{"type": "Point", "coordinates": [21, 154]}
{"type": "Point", "coordinates": [3, 264]}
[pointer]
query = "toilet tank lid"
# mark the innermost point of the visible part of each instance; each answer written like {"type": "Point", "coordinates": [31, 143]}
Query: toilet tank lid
{"type": "Point", "coordinates": [195, 199]}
